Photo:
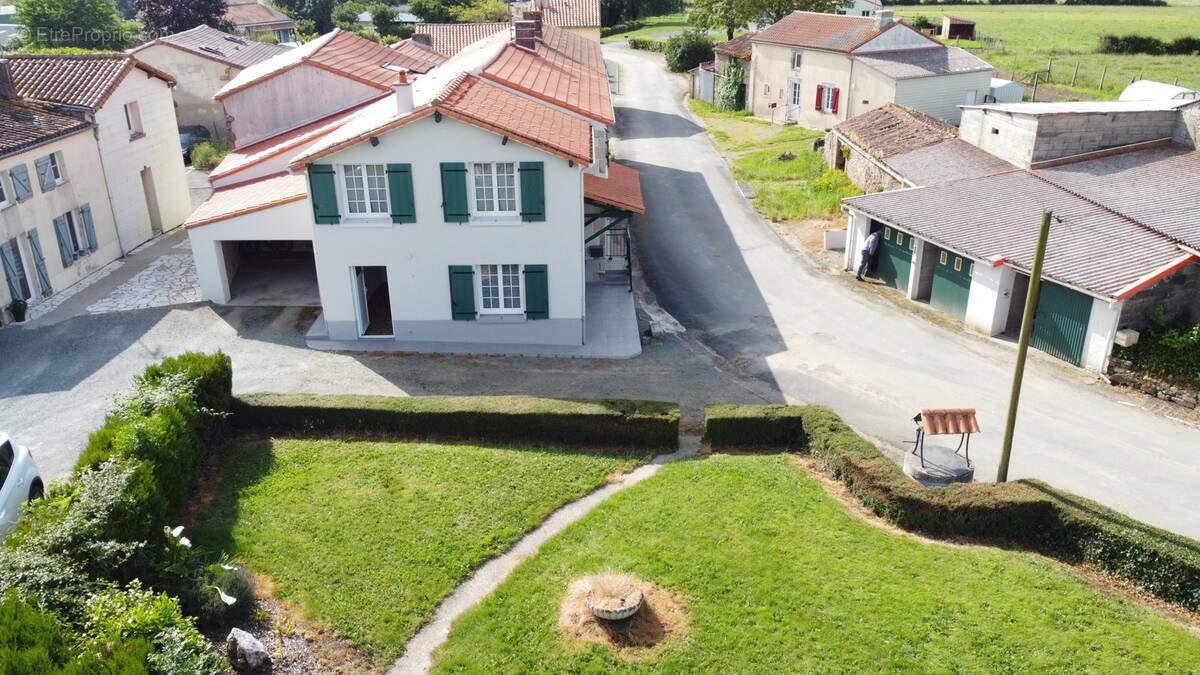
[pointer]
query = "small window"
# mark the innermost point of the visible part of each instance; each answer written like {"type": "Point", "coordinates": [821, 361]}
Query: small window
{"type": "Point", "coordinates": [957, 264]}
{"type": "Point", "coordinates": [3, 193]}
{"type": "Point", "coordinates": [942, 258]}
{"type": "Point", "coordinates": [78, 238]}
{"type": "Point", "coordinates": [54, 168]}
{"type": "Point", "coordinates": [995, 131]}
{"type": "Point", "coordinates": [971, 270]}
{"type": "Point", "coordinates": [912, 243]}
{"type": "Point", "coordinates": [887, 233]}
{"type": "Point", "coordinates": [495, 188]}
{"type": "Point", "coordinates": [766, 90]}
{"type": "Point", "coordinates": [500, 289]}
{"type": "Point", "coordinates": [796, 60]}
{"type": "Point", "coordinates": [899, 238]}
{"type": "Point", "coordinates": [365, 189]}
{"type": "Point", "coordinates": [133, 120]}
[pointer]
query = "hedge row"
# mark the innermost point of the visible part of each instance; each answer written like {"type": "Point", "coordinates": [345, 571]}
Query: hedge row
{"type": "Point", "coordinates": [516, 419]}
{"type": "Point", "coordinates": [1146, 44]}
{"type": "Point", "coordinates": [647, 44]}
{"type": "Point", "coordinates": [1025, 513]}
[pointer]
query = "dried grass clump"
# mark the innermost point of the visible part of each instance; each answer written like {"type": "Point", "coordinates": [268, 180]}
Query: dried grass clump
{"type": "Point", "coordinates": [613, 592]}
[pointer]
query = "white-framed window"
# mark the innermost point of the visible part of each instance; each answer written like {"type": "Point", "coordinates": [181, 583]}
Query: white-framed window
{"type": "Point", "coordinates": [3, 193]}
{"type": "Point", "coordinates": [55, 170]}
{"type": "Point", "coordinates": [133, 120]}
{"type": "Point", "coordinates": [500, 289]}
{"type": "Point", "coordinates": [827, 93]}
{"type": "Point", "coordinates": [364, 190]}
{"type": "Point", "coordinates": [495, 185]}
{"type": "Point", "coordinates": [766, 89]}
{"type": "Point", "coordinates": [796, 60]}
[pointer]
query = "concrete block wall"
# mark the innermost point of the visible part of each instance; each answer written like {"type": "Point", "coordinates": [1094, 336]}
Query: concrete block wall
{"type": "Point", "coordinates": [1005, 135]}
{"type": "Point", "coordinates": [1187, 127]}
{"type": "Point", "coordinates": [1073, 134]}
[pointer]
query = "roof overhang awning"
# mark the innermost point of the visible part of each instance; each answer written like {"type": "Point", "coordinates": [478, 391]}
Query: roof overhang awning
{"type": "Point", "coordinates": [622, 189]}
{"type": "Point", "coordinates": [249, 197]}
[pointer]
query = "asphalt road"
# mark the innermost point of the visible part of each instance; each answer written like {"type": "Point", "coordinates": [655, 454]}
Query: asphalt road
{"type": "Point", "coordinates": [718, 268]}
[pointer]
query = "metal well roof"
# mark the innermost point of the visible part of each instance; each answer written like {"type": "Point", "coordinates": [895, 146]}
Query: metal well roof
{"type": "Point", "coordinates": [218, 45]}
{"type": "Point", "coordinates": [926, 62]}
{"type": "Point", "coordinates": [450, 38]}
{"type": "Point", "coordinates": [835, 32]}
{"type": "Point", "coordinates": [622, 188]}
{"type": "Point", "coordinates": [83, 80]}
{"type": "Point", "coordinates": [24, 125]}
{"type": "Point", "coordinates": [1092, 249]}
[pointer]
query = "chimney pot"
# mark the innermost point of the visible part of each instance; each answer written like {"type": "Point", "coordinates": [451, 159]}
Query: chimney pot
{"type": "Point", "coordinates": [8, 89]}
{"type": "Point", "coordinates": [404, 92]}
{"type": "Point", "coordinates": [884, 18]}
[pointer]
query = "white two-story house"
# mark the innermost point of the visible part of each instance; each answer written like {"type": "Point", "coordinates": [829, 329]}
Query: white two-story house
{"type": "Point", "coordinates": [458, 208]}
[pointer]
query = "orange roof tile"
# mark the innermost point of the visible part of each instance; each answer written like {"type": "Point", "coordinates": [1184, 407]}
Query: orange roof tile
{"type": "Point", "coordinates": [249, 197]}
{"type": "Point", "coordinates": [835, 32]}
{"type": "Point", "coordinates": [416, 50]}
{"type": "Point", "coordinates": [84, 80]}
{"type": "Point", "coordinates": [24, 124]}
{"type": "Point", "coordinates": [450, 38]}
{"type": "Point", "coordinates": [939, 421]}
{"type": "Point", "coordinates": [739, 46]}
{"type": "Point", "coordinates": [253, 13]}
{"type": "Point", "coordinates": [566, 70]}
{"type": "Point", "coordinates": [622, 188]}
{"type": "Point", "coordinates": [562, 13]}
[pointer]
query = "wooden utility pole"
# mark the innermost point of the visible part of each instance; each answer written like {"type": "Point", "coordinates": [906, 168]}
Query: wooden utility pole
{"type": "Point", "coordinates": [1031, 302]}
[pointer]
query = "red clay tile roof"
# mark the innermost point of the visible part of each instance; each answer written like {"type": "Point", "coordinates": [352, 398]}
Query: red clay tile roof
{"type": "Point", "coordinates": [217, 45]}
{"type": "Point", "coordinates": [249, 197]}
{"type": "Point", "coordinates": [739, 46]}
{"type": "Point", "coordinates": [84, 80]}
{"type": "Point", "coordinates": [835, 32]}
{"type": "Point", "coordinates": [622, 188]}
{"type": "Point", "coordinates": [450, 38]}
{"type": "Point", "coordinates": [422, 53]}
{"type": "Point", "coordinates": [563, 13]}
{"type": "Point", "coordinates": [939, 421]}
{"type": "Point", "coordinates": [252, 13]}
{"type": "Point", "coordinates": [566, 70]}
{"type": "Point", "coordinates": [473, 100]}
{"type": "Point", "coordinates": [24, 124]}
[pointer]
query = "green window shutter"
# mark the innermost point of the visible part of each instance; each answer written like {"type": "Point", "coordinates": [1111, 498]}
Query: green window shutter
{"type": "Point", "coordinates": [533, 192]}
{"type": "Point", "coordinates": [462, 292]}
{"type": "Point", "coordinates": [537, 293]}
{"type": "Point", "coordinates": [400, 186]}
{"type": "Point", "coordinates": [323, 193]}
{"type": "Point", "coordinates": [454, 192]}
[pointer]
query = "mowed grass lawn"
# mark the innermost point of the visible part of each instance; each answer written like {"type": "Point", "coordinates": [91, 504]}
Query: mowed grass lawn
{"type": "Point", "coordinates": [786, 189]}
{"type": "Point", "coordinates": [369, 536]}
{"type": "Point", "coordinates": [1033, 34]}
{"type": "Point", "coordinates": [780, 578]}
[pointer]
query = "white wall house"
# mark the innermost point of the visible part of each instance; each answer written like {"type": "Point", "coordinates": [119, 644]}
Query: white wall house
{"type": "Point", "coordinates": [450, 210]}
{"type": "Point", "coordinates": [55, 222]}
{"type": "Point", "coordinates": [817, 70]}
{"type": "Point", "coordinates": [202, 61]}
{"type": "Point", "coordinates": [131, 107]}
{"type": "Point", "coordinates": [860, 7]}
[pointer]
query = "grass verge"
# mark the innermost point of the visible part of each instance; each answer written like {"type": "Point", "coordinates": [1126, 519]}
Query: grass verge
{"type": "Point", "coordinates": [369, 536]}
{"type": "Point", "coordinates": [779, 577]}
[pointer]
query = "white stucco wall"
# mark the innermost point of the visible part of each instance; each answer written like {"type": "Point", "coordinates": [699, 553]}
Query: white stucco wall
{"type": "Point", "coordinates": [197, 79]}
{"type": "Point", "coordinates": [418, 255]}
{"type": "Point", "coordinates": [1005, 135]}
{"type": "Point", "coordinates": [1101, 330]}
{"type": "Point", "coordinates": [940, 95]}
{"type": "Point", "coordinates": [990, 297]}
{"type": "Point", "coordinates": [158, 149]}
{"type": "Point", "coordinates": [289, 100]}
{"type": "Point", "coordinates": [83, 184]}
{"type": "Point", "coordinates": [772, 64]}
{"type": "Point", "coordinates": [858, 8]}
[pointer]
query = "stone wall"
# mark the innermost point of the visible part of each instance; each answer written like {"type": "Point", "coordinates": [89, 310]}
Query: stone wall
{"type": "Point", "coordinates": [1178, 294]}
{"type": "Point", "coordinates": [1169, 388]}
{"type": "Point", "coordinates": [868, 176]}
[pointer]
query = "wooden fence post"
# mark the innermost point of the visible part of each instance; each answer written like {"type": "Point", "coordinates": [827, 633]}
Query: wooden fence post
{"type": "Point", "coordinates": [1102, 74]}
{"type": "Point", "coordinates": [1075, 74]}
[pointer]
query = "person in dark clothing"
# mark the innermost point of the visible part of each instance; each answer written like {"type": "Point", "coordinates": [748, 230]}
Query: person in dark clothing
{"type": "Point", "coordinates": [868, 251]}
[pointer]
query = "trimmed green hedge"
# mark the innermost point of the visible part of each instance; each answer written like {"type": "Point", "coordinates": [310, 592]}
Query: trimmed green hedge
{"type": "Point", "coordinates": [1024, 513]}
{"type": "Point", "coordinates": [746, 427]}
{"type": "Point", "coordinates": [516, 419]}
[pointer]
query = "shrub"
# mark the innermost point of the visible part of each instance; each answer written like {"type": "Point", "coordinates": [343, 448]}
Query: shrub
{"type": "Point", "coordinates": [31, 641]}
{"type": "Point", "coordinates": [524, 419]}
{"type": "Point", "coordinates": [754, 427]}
{"type": "Point", "coordinates": [1025, 513]}
{"type": "Point", "coordinates": [688, 50]}
{"type": "Point", "coordinates": [1166, 348]}
{"type": "Point", "coordinates": [647, 44]}
{"type": "Point", "coordinates": [922, 22]}
{"type": "Point", "coordinates": [206, 155]}
{"type": "Point", "coordinates": [729, 86]}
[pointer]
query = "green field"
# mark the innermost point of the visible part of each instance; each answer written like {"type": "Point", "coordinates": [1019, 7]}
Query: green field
{"type": "Point", "coordinates": [777, 577]}
{"type": "Point", "coordinates": [1032, 35]}
{"type": "Point", "coordinates": [369, 536]}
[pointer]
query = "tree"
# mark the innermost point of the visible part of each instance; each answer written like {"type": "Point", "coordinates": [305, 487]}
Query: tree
{"type": "Point", "coordinates": [167, 17]}
{"type": "Point", "coordinates": [728, 15]}
{"type": "Point", "coordinates": [319, 12]}
{"type": "Point", "coordinates": [88, 24]}
{"type": "Point", "coordinates": [384, 19]}
{"type": "Point", "coordinates": [688, 50]}
{"type": "Point", "coordinates": [482, 11]}
{"type": "Point", "coordinates": [345, 16]}
{"type": "Point", "coordinates": [777, 9]}
{"type": "Point", "coordinates": [617, 11]}
{"type": "Point", "coordinates": [434, 11]}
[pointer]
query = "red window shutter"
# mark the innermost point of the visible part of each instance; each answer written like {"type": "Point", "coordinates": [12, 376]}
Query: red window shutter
{"type": "Point", "coordinates": [836, 91]}
{"type": "Point", "coordinates": [820, 95]}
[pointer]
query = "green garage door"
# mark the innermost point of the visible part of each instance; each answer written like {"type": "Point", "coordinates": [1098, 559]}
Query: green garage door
{"type": "Point", "coordinates": [895, 258]}
{"type": "Point", "coordinates": [951, 282]}
{"type": "Point", "coordinates": [1060, 324]}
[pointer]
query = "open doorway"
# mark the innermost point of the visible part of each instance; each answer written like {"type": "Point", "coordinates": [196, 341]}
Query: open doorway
{"type": "Point", "coordinates": [1016, 307]}
{"type": "Point", "coordinates": [373, 303]}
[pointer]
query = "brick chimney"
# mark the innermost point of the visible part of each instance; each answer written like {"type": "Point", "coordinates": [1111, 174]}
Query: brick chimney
{"type": "Point", "coordinates": [8, 90]}
{"type": "Point", "coordinates": [527, 32]}
{"type": "Point", "coordinates": [884, 18]}
{"type": "Point", "coordinates": [536, 17]}
{"type": "Point", "coordinates": [422, 39]}
{"type": "Point", "coordinates": [404, 92]}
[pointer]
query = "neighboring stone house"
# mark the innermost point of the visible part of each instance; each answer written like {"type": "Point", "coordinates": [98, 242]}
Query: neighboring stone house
{"type": "Point", "coordinates": [136, 131]}
{"type": "Point", "coordinates": [817, 70]}
{"type": "Point", "coordinates": [56, 226]}
{"type": "Point", "coordinates": [258, 19]}
{"type": "Point", "coordinates": [738, 50]}
{"type": "Point", "coordinates": [470, 208]}
{"type": "Point", "coordinates": [202, 61]}
{"type": "Point", "coordinates": [1122, 179]}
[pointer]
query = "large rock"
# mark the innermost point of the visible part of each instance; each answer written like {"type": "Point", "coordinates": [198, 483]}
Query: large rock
{"type": "Point", "coordinates": [244, 651]}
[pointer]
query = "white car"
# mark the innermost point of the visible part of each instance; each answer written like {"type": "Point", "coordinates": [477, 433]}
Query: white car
{"type": "Point", "coordinates": [19, 482]}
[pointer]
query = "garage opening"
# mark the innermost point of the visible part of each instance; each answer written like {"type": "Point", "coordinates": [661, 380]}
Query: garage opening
{"type": "Point", "coordinates": [373, 302]}
{"type": "Point", "coordinates": [272, 273]}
